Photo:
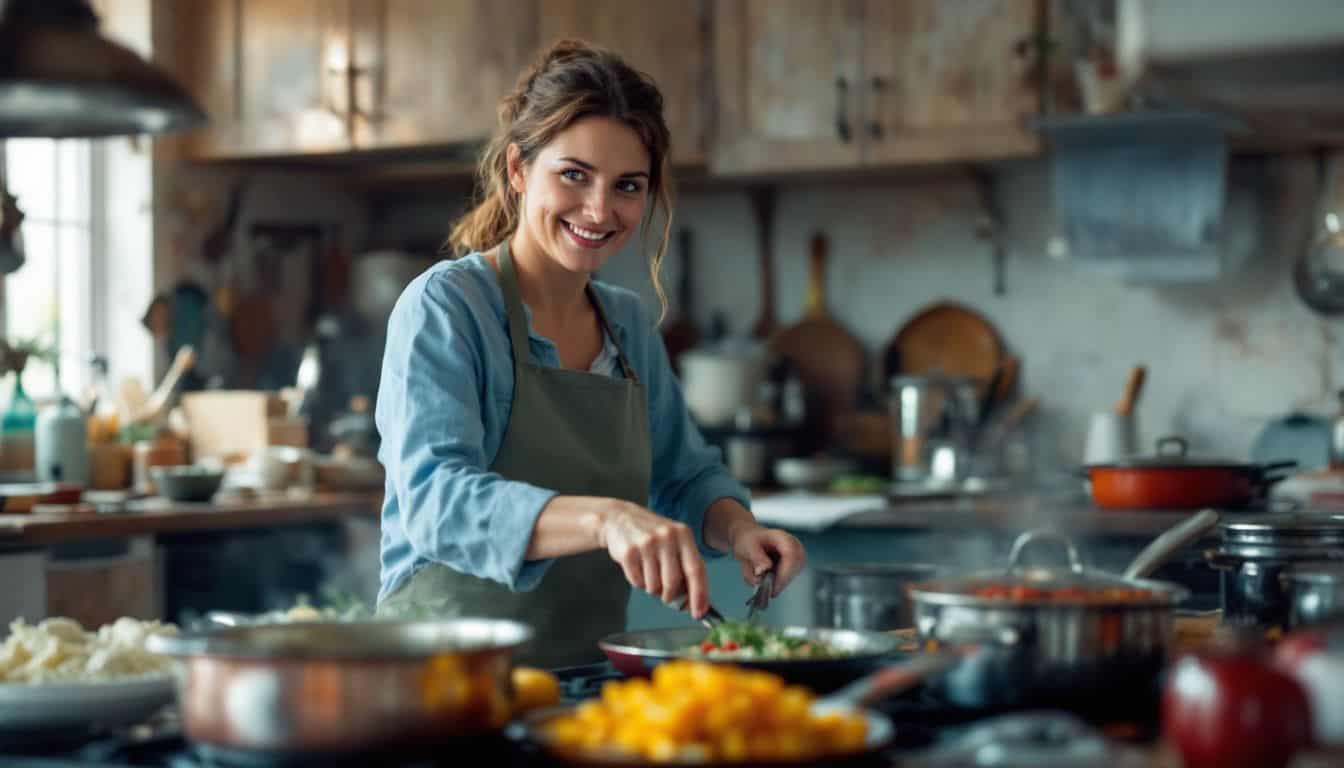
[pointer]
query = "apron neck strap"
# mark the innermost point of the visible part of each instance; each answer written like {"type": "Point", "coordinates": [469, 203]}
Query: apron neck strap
{"type": "Point", "coordinates": [513, 304]}
{"type": "Point", "coordinates": [626, 368]}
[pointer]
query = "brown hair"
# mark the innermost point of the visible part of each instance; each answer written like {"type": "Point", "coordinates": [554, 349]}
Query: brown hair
{"type": "Point", "coordinates": [570, 81]}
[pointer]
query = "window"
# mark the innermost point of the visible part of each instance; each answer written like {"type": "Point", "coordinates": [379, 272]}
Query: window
{"type": "Point", "coordinates": [49, 298]}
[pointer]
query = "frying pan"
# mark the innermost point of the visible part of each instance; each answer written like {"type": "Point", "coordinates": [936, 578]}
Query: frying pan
{"type": "Point", "coordinates": [636, 653]}
{"type": "Point", "coordinates": [858, 696]}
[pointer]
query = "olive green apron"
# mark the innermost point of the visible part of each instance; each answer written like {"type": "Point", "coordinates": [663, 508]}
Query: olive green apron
{"type": "Point", "coordinates": [577, 433]}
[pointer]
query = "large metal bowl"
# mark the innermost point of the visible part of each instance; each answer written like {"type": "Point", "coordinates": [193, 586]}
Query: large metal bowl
{"type": "Point", "coordinates": [328, 688]}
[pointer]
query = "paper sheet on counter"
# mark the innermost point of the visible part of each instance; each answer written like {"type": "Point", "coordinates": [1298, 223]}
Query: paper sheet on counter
{"type": "Point", "coordinates": [803, 511]}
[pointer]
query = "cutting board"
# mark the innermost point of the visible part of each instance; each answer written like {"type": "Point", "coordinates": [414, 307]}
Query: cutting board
{"type": "Point", "coordinates": [829, 360]}
{"type": "Point", "coordinates": [946, 338]}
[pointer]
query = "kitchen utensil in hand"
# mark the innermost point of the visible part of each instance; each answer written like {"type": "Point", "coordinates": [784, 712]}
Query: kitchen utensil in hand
{"type": "Point", "coordinates": [712, 617]}
{"type": "Point", "coordinates": [761, 597]}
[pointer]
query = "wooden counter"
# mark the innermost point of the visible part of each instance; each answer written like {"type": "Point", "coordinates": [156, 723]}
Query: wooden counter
{"type": "Point", "coordinates": [154, 516]}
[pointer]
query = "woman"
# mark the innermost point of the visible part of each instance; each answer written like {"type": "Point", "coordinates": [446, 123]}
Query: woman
{"type": "Point", "coordinates": [528, 414]}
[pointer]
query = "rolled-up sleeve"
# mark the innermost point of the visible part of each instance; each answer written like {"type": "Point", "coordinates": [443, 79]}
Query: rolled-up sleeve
{"type": "Point", "coordinates": [688, 473]}
{"type": "Point", "coordinates": [451, 508]}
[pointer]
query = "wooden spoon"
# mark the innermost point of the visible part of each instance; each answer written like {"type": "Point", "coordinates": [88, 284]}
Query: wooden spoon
{"type": "Point", "coordinates": [1132, 390]}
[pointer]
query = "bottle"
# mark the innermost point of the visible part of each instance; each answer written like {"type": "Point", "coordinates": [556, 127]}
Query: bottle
{"type": "Point", "coordinates": [61, 444]}
{"type": "Point", "coordinates": [16, 429]}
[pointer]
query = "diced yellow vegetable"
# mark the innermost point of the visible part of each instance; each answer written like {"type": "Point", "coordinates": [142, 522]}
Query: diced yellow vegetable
{"type": "Point", "coordinates": [698, 711]}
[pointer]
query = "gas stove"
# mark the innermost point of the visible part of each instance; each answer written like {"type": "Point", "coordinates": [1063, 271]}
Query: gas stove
{"type": "Point", "coordinates": [926, 733]}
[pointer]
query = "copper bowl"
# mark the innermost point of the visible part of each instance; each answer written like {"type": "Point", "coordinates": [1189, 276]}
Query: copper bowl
{"type": "Point", "coordinates": [342, 687]}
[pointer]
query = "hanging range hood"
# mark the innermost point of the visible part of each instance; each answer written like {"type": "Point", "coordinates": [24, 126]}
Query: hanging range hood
{"type": "Point", "coordinates": [1276, 66]}
{"type": "Point", "coordinates": [59, 78]}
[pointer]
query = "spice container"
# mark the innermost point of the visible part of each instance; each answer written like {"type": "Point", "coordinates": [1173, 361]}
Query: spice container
{"type": "Point", "coordinates": [165, 450]}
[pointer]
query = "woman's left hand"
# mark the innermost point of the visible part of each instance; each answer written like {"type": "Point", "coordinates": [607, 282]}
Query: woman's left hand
{"type": "Point", "coordinates": [758, 548]}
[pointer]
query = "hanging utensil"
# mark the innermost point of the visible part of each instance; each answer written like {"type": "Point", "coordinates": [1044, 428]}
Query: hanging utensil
{"type": "Point", "coordinates": [763, 203]}
{"type": "Point", "coordinates": [830, 361]}
{"type": "Point", "coordinates": [682, 334]}
{"type": "Point", "coordinates": [1319, 273]}
{"type": "Point", "coordinates": [11, 239]}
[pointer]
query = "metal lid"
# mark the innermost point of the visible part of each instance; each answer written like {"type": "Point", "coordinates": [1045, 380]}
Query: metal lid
{"type": "Point", "coordinates": [965, 591]}
{"type": "Point", "coordinates": [1284, 526]}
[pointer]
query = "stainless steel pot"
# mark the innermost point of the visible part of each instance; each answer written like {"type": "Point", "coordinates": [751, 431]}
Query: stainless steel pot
{"type": "Point", "coordinates": [1315, 592]}
{"type": "Point", "coordinates": [1033, 645]}
{"type": "Point", "coordinates": [867, 596]}
{"type": "Point", "coordinates": [336, 688]}
{"type": "Point", "coordinates": [1255, 552]}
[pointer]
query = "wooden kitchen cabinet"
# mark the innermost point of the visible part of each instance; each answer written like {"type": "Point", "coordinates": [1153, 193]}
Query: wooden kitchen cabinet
{"type": "Point", "coordinates": [668, 40]}
{"type": "Point", "coordinates": [947, 80]}
{"type": "Point", "coordinates": [290, 77]}
{"type": "Point", "coordinates": [786, 74]}
{"type": "Point", "coordinates": [436, 69]}
{"type": "Point", "coordinates": [846, 84]}
{"type": "Point", "coordinates": [203, 57]}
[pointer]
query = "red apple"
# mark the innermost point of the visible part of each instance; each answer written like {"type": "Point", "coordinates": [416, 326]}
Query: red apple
{"type": "Point", "coordinates": [1231, 708]}
{"type": "Point", "coordinates": [1314, 656]}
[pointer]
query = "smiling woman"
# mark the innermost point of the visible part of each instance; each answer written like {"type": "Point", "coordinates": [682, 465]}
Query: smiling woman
{"type": "Point", "coordinates": [539, 455]}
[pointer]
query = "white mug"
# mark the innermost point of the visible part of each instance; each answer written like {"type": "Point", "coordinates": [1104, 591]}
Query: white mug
{"type": "Point", "coordinates": [1110, 437]}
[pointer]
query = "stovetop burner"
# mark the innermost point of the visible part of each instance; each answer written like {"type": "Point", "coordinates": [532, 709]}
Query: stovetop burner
{"type": "Point", "coordinates": [921, 721]}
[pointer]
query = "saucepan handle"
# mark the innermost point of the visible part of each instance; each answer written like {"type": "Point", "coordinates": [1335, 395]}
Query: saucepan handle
{"type": "Point", "coordinates": [893, 679]}
{"type": "Point", "coordinates": [1015, 556]}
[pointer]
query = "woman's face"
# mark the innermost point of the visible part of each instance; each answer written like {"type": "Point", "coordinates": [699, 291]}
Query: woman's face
{"type": "Point", "coordinates": [584, 193]}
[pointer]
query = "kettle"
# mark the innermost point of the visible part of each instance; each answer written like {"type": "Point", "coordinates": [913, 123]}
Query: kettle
{"type": "Point", "coordinates": [61, 444]}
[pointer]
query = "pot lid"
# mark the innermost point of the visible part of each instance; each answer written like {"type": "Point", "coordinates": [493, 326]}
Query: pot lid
{"type": "Point", "coordinates": [1305, 527]}
{"type": "Point", "coordinates": [1172, 452]}
{"type": "Point", "coordinates": [59, 78]}
{"type": "Point", "coordinates": [1025, 586]}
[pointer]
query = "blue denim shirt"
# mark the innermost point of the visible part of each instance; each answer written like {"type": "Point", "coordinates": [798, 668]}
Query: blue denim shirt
{"type": "Point", "coordinates": [443, 404]}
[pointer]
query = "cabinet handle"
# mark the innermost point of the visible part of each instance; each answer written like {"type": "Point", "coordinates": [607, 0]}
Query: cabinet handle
{"type": "Point", "coordinates": [875, 113]}
{"type": "Point", "coordinates": [841, 113]}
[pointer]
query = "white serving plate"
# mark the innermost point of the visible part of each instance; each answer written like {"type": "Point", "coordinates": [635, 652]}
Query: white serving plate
{"type": "Point", "coordinates": [67, 706]}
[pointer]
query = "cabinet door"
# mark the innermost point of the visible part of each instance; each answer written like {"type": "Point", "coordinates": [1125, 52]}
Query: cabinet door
{"type": "Point", "coordinates": [201, 54]}
{"type": "Point", "coordinates": [665, 39]}
{"type": "Point", "coordinates": [292, 55]}
{"type": "Point", "coordinates": [947, 80]}
{"type": "Point", "coordinates": [787, 73]}
{"type": "Point", "coordinates": [440, 68]}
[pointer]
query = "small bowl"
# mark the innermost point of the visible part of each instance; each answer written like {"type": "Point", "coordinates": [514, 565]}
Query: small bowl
{"type": "Point", "coordinates": [810, 473]}
{"type": "Point", "coordinates": [187, 483]}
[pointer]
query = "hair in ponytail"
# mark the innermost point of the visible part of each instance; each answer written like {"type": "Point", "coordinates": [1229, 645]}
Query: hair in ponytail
{"type": "Point", "coordinates": [570, 81]}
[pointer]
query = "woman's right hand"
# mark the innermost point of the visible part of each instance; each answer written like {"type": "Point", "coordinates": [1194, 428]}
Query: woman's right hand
{"type": "Point", "coordinates": [657, 554]}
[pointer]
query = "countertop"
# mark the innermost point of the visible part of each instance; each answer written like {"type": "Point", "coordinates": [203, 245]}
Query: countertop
{"type": "Point", "coordinates": [1006, 512]}
{"type": "Point", "coordinates": [157, 516]}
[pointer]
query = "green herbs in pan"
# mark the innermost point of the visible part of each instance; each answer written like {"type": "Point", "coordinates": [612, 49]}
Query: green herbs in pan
{"type": "Point", "coordinates": [740, 639]}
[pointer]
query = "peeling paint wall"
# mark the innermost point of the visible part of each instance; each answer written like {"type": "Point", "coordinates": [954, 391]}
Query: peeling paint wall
{"type": "Point", "coordinates": [1223, 357]}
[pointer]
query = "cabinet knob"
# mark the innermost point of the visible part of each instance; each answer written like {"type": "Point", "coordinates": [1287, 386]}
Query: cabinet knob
{"type": "Point", "coordinates": [842, 127]}
{"type": "Point", "coordinates": [875, 112]}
